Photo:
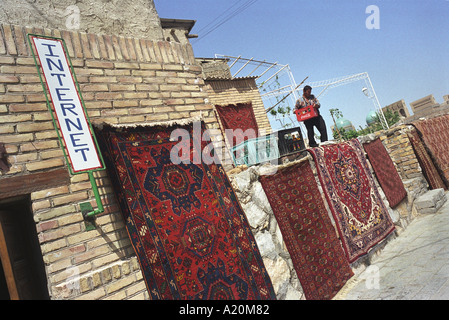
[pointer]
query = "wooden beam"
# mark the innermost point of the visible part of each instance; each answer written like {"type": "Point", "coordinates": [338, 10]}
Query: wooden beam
{"type": "Point", "coordinates": [25, 184]}
{"type": "Point", "coordinates": [7, 267]}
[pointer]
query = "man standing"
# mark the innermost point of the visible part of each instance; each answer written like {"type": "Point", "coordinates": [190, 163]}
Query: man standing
{"type": "Point", "coordinates": [308, 99]}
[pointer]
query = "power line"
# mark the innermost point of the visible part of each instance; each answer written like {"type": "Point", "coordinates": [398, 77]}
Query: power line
{"type": "Point", "coordinates": [205, 27]}
{"type": "Point", "coordinates": [231, 15]}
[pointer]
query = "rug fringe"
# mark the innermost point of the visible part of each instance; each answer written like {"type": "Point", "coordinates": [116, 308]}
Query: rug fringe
{"type": "Point", "coordinates": [289, 164]}
{"type": "Point", "coordinates": [349, 285]}
{"type": "Point", "coordinates": [169, 123]}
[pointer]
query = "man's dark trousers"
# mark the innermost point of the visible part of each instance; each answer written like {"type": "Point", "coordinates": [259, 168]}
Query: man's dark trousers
{"type": "Point", "coordinates": [319, 123]}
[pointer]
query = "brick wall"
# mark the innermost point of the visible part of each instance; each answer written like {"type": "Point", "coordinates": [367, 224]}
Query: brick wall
{"type": "Point", "coordinates": [401, 152]}
{"type": "Point", "coordinates": [233, 91]}
{"type": "Point", "coordinates": [239, 90]}
{"type": "Point", "coordinates": [122, 80]}
{"type": "Point", "coordinates": [400, 149]}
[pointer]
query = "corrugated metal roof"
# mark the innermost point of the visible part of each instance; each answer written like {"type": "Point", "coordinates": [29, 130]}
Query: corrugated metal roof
{"type": "Point", "coordinates": [229, 79]}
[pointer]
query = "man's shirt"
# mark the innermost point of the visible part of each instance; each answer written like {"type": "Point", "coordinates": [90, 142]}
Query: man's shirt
{"type": "Point", "coordinates": [303, 102]}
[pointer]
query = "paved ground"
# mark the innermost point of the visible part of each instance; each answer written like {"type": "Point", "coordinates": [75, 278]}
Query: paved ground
{"type": "Point", "coordinates": [413, 266]}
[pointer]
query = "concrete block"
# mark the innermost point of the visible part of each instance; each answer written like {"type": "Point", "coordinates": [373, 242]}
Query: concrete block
{"type": "Point", "coordinates": [430, 202]}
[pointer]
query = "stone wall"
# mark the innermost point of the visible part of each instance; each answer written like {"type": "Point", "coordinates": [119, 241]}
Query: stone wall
{"type": "Point", "coordinates": [98, 17]}
{"type": "Point", "coordinates": [267, 233]}
{"type": "Point", "coordinates": [215, 68]}
{"type": "Point", "coordinates": [123, 80]}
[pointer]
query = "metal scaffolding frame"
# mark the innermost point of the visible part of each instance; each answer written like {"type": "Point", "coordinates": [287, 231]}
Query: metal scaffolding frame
{"type": "Point", "coordinates": [368, 90]}
{"type": "Point", "coordinates": [274, 81]}
{"type": "Point", "coordinates": [272, 86]}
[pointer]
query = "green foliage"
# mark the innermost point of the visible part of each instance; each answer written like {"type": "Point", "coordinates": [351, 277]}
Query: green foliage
{"type": "Point", "coordinates": [336, 112]}
{"type": "Point", "coordinates": [282, 110]}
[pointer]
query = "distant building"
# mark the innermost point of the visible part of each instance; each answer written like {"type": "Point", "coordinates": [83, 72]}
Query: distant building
{"type": "Point", "coordinates": [223, 89]}
{"type": "Point", "coordinates": [427, 107]}
{"type": "Point", "coordinates": [398, 106]}
{"type": "Point", "coordinates": [424, 105]}
{"type": "Point", "coordinates": [345, 124]}
{"type": "Point", "coordinates": [342, 124]}
{"type": "Point", "coordinates": [371, 117]}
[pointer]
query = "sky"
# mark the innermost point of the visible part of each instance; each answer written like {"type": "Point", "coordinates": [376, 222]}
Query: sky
{"type": "Point", "coordinates": [403, 45]}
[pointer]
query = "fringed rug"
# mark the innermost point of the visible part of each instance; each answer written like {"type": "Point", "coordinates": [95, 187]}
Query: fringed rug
{"type": "Point", "coordinates": [435, 136]}
{"type": "Point", "coordinates": [239, 116]}
{"type": "Point", "coordinates": [306, 228]}
{"type": "Point", "coordinates": [185, 223]}
{"type": "Point", "coordinates": [428, 168]}
{"type": "Point", "coordinates": [361, 216]}
{"type": "Point", "coordinates": [386, 172]}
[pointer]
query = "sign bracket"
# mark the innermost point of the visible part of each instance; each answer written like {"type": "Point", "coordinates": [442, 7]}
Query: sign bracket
{"type": "Point", "coordinates": [88, 212]}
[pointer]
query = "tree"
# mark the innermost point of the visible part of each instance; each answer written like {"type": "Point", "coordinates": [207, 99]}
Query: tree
{"type": "Point", "coordinates": [282, 109]}
{"type": "Point", "coordinates": [337, 133]}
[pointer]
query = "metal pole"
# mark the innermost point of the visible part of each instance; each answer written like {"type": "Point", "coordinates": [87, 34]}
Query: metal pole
{"type": "Point", "coordinates": [269, 109]}
{"type": "Point", "coordinates": [383, 120]}
{"type": "Point", "coordinates": [272, 66]}
{"type": "Point", "coordinates": [242, 67]}
{"type": "Point", "coordinates": [100, 208]}
{"type": "Point", "coordinates": [276, 73]}
{"type": "Point", "coordinates": [256, 68]}
{"type": "Point", "coordinates": [322, 91]}
{"type": "Point", "coordinates": [285, 89]}
{"type": "Point", "coordinates": [235, 61]}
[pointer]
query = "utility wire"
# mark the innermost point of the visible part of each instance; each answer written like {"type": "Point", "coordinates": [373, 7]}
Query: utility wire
{"type": "Point", "coordinates": [224, 12]}
{"type": "Point", "coordinates": [231, 15]}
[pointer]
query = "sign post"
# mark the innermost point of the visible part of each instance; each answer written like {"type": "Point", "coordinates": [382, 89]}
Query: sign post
{"type": "Point", "coordinates": [68, 112]}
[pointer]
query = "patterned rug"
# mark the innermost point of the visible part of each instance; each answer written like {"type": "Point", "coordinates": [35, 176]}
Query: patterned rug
{"type": "Point", "coordinates": [186, 225]}
{"type": "Point", "coordinates": [435, 136]}
{"type": "Point", "coordinates": [238, 116]}
{"type": "Point", "coordinates": [386, 172]}
{"type": "Point", "coordinates": [306, 228]}
{"type": "Point", "coordinates": [428, 168]}
{"type": "Point", "coordinates": [360, 214]}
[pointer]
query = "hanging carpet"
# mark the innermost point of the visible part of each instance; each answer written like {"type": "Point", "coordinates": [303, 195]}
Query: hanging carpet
{"type": "Point", "coordinates": [306, 228]}
{"type": "Point", "coordinates": [361, 216]}
{"type": "Point", "coordinates": [185, 223]}
{"type": "Point", "coordinates": [386, 172]}
{"type": "Point", "coordinates": [429, 170]}
{"type": "Point", "coordinates": [238, 116]}
{"type": "Point", "coordinates": [435, 136]}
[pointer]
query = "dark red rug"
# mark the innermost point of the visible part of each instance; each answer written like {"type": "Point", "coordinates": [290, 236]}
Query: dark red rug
{"type": "Point", "coordinates": [306, 228]}
{"type": "Point", "coordinates": [239, 116]}
{"type": "Point", "coordinates": [386, 172]}
{"type": "Point", "coordinates": [186, 225]}
{"type": "Point", "coordinates": [429, 170]}
{"type": "Point", "coordinates": [360, 214]}
{"type": "Point", "coordinates": [435, 136]}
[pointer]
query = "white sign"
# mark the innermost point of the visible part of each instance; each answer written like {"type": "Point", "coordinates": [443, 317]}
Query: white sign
{"type": "Point", "coordinates": [67, 105]}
